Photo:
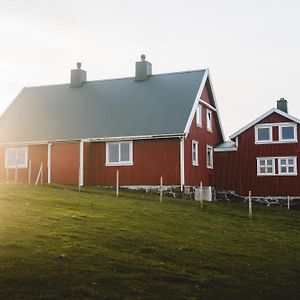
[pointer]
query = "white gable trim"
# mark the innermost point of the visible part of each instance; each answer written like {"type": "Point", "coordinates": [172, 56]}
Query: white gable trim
{"type": "Point", "coordinates": [198, 100]}
{"type": "Point", "coordinates": [266, 114]}
{"type": "Point", "coordinates": [216, 106]}
{"type": "Point", "coordinates": [193, 111]}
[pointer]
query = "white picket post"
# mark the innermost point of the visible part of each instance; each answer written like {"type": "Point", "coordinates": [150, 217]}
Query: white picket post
{"type": "Point", "coordinates": [16, 171]}
{"type": "Point", "coordinates": [29, 172]}
{"type": "Point", "coordinates": [289, 202]}
{"type": "Point", "coordinates": [201, 195]}
{"type": "Point", "coordinates": [117, 183]}
{"type": "Point", "coordinates": [79, 186]}
{"type": "Point", "coordinates": [250, 206]}
{"type": "Point", "coordinates": [161, 189]}
{"type": "Point", "coordinates": [42, 167]}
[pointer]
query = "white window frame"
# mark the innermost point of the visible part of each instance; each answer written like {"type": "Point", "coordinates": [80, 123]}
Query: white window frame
{"type": "Point", "coordinates": [210, 152]}
{"type": "Point", "coordinates": [209, 120]}
{"type": "Point", "coordinates": [295, 139]}
{"type": "Point", "coordinates": [270, 140]}
{"type": "Point", "coordinates": [195, 162]}
{"type": "Point", "coordinates": [258, 159]}
{"type": "Point", "coordinates": [18, 165]}
{"type": "Point", "coordinates": [199, 115]}
{"type": "Point", "coordinates": [294, 158]}
{"type": "Point", "coordinates": [120, 163]}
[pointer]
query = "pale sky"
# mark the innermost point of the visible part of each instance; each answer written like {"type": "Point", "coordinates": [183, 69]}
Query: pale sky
{"type": "Point", "coordinates": [252, 47]}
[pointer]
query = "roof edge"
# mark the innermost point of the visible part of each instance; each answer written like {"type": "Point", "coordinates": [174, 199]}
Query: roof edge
{"type": "Point", "coordinates": [266, 114]}
{"type": "Point", "coordinates": [99, 139]}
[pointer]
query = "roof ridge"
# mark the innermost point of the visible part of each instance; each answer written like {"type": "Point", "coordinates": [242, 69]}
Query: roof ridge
{"type": "Point", "coordinates": [118, 78]}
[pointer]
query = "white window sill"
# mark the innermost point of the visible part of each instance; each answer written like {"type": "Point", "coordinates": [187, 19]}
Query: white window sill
{"type": "Point", "coordinates": [210, 167]}
{"type": "Point", "coordinates": [263, 175]}
{"type": "Point", "coordinates": [119, 164]}
{"type": "Point", "coordinates": [14, 167]}
{"type": "Point", "coordinates": [288, 174]}
{"type": "Point", "coordinates": [195, 164]}
{"type": "Point", "coordinates": [275, 142]}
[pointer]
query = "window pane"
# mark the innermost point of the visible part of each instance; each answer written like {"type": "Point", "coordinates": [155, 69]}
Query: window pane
{"type": "Point", "coordinates": [261, 170]}
{"type": "Point", "coordinates": [21, 157]}
{"type": "Point", "coordinates": [287, 133]}
{"type": "Point", "coordinates": [291, 162]}
{"type": "Point", "coordinates": [125, 152]}
{"type": "Point", "coordinates": [262, 162]}
{"type": "Point", "coordinates": [283, 162]}
{"type": "Point", "coordinates": [263, 134]}
{"type": "Point", "coordinates": [113, 150]}
{"type": "Point", "coordinates": [11, 157]}
{"type": "Point", "coordinates": [194, 152]}
{"type": "Point", "coordinates": [283, 169]}
{"type": "Point", "coordinates": [269, 170]}
{"type": "Point", "coordinates": [269, 162]}
{"type": "Point", "coordinates": [291, 170]}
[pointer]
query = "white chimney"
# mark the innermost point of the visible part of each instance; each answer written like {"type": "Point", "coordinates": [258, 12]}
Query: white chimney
{"type": "Point", "coordinates": [143, 69]}
{"type": "Point", "coordinates": [78, 76]}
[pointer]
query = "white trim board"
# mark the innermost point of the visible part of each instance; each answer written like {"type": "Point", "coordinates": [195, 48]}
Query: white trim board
{"type": "Point", "coordinates": [206, 77]}
{"type": "Point", "coordinates": [266, 114]}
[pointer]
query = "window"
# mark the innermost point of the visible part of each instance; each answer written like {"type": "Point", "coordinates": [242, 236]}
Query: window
{"type": "Point", "coordinates": [199, 116]}
{"type": "Point", "coordinates": [16, 157]}
{"type": "Point", "coordinates": [263, 134]}
{"type": "Point", "coordinates": [209, 157]}
{"type": "Point", "coordinates": [118, 154]}
{"type": "Point", "coordinates": [195, 153]}
{"type": "Point", "coordinates": [287, 166]}
{"type": "Point", "coordinates": [287, 132]}
{"type": "Point", "coordinates": [209, 120]}
{"type": "Point", "coordinates": [266, 166]}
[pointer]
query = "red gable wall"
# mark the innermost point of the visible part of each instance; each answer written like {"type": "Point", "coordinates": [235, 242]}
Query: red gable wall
{"type": "Point", "coordinates": [238, 170]}
{"type": "Point", "coordinates": [196, 174]}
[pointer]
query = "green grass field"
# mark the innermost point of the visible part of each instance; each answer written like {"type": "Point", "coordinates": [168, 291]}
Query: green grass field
{"type": "Point", "coordinates": [56, 243]}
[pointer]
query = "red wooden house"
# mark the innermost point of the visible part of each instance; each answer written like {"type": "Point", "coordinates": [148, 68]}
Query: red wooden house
{"type": "Point", "coordinates": [145, 126]}
{"type": "Point", "coordinates": [262, 157]}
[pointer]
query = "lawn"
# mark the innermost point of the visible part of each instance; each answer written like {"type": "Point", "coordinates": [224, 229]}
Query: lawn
{"type": "Point", "coordinates": [57, 243]}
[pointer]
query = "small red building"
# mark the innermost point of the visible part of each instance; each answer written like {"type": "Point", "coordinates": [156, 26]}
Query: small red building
{"type": "Point", "coordinates": [262, 157]}
{"type": "Point", "coordinates": [146, 126]}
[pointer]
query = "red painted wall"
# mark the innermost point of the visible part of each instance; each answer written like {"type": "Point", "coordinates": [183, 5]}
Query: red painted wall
{"type": "Point", "coordinates": [237, 170]}
{"type": "Point", "coordinates": [65, 163]}
{"type": "Point", "coordinates": [36, 154]}
{"type": "Point", "coordinates": [151, 159]}
{"type": "Point", "coordinates": [195, 174]}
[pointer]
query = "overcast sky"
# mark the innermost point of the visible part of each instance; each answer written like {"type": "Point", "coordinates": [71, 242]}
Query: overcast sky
{"type": "Point", "coordinates": [252, 47]}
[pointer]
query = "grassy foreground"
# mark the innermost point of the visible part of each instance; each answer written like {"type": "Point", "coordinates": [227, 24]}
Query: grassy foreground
{"type": "Point", "coordinates": [57, 243]}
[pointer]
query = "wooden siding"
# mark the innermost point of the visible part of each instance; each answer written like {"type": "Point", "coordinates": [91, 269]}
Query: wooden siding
{"type": "Point", "coordinates": [65, 163]}
{"type": "Point", "coordinates": [238, 170]}
{"type": "Point", "coordinates": [37, 154]}
{"type": "Point", "coordinates": [195, 174]}
{"type": "Point", "coordinates": [151, 159]}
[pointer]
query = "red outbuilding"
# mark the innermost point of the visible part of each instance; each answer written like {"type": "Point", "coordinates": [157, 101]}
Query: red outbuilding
{"type": "Point", "coordinates": [262, 157]}
{"type": "Point", "coordinates": [146, 127]}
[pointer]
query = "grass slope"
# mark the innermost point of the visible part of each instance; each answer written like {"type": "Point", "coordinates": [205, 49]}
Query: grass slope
{"type": "Point", "coordinates": [57, 243]}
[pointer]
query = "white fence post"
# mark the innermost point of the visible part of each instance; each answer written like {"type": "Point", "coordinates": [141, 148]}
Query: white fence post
{"type": "Point", "coordinates": [16, 171]}
{"type": "Point", "coordinates": [250, 206]}
{"type": "Point", "coordinates": [289, 202]}
{"type": "Point", "coordinates": [161, 189]}
{"type": "Point", "coordinates": [79, 180]}
{"type": "Point", "coordinates": [29, 172]}
{"type": "Point", "coordinates": [201, 195]}
{"type": "Point", "coordinates": [39, 174]}
{"type": "Point", "coordinates": [117, 184]}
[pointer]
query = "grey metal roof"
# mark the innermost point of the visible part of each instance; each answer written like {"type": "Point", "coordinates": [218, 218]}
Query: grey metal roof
{"type": "Point", "coordinates": [107, 108]}
{"type": "Point", "coordinates": [226, 146]}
